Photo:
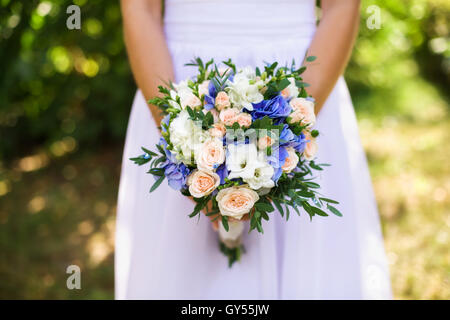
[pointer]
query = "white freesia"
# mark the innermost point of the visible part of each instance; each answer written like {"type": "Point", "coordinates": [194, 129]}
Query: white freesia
{"type": "Point", "coordinates": [186, 137]}
{"type": "Point", "coordinates": [262, 178]}
{"type": "Point", "coordinates": [243, 160]}
{"type": "Point", "coordinates": [245, 89]}
{"type": "Point", "coordinates": [173, 101]}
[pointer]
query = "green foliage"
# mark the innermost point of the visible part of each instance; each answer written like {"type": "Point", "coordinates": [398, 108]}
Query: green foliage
{"type": "Point", "coordinates": [403, 62]}
{"type": "Point", "coordinates": [57, 82]}
{"type": "Point", "coordinates": [233, 254]}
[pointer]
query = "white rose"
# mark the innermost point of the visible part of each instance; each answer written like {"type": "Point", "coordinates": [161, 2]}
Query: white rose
{"type": "Point", "coordinates": [291, 161]}
{"type": "Point", "coordinates": [201, 183]}
{"type": "Point", "coordinates": [210, 154]}
{"type": "Point", "coordinates": [235, 202]}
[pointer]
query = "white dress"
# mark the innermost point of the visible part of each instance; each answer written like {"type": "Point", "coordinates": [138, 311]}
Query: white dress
{"type": "Point", "coordinates": [163, 254]}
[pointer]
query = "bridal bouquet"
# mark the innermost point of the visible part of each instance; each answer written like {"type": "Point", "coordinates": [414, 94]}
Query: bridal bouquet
{"type": "Point", "coordinates": [241, 143]}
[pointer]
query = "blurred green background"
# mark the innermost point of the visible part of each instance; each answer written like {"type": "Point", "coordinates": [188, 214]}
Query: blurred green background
{"type": "Point", "coordinates": [65, 96]}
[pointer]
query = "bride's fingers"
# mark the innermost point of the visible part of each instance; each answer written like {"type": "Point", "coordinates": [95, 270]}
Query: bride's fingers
{"type": "Point", "coordinates": [215, 225]}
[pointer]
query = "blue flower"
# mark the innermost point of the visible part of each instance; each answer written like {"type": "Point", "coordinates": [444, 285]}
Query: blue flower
{"type": "Point", "coordinates": [222, 172]}
{"type": "Point", "coordinates": [289, 139]}
{"type": "Point", "coordinates": [209, 102]}
{"type": "Point", "coordinates": [212, 89]}
{"type": "Point", "coordinates": [277, 160]}
{"type": "Point", "coordinates": [210, 97]}
{"type": "Point", "coordinates": [176, 173]}
{"type": "Point", "coordinates": [275, 108]}
{"type": "Point", "coordinates": [166, 121]}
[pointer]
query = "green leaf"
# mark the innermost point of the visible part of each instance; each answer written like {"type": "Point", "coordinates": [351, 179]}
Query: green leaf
{"type": "Point", "coordinates": [329, 200]}
{"type": "Point", "coordinates": [225, 223]}
{"type": "Point", "coordinates": [312, 184]}
{"type": "Point", "coordinates": [278, 206]}
{"type": "Point", "coordinates": [259, 226]}
{"type": "Point", "coordinates": [308, 209]}
{"type": "Point", "coordinates": [213, 212]}
{"type": "Point", "coordinates": [190, 112]}
{"type": "Point", "coordinates": [157, 183]}
{"type": "Point", "coordinates": [149, 152]}
{"type": "Point", "coordinates": [334, 210]}
{"type": "Point", "coordinates": [283, 84]}
{"type": "Point", "coordinates": [140, 160]}
{"type": "Point", "coordinates": [311, 58]}
{"type": "Point", "coordinates": [314, 133]}
{"type": "Point", "coordinates": [304, 193]}
{"type": "Point", "coordinates": [263, 206]}
{"type": "Point", "coordinates": [319, 211]}
{"type": "Point", "coordinates": [301, 70]}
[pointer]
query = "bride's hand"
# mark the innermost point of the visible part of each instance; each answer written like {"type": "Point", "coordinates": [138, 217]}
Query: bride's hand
{"type": "Point", "coordinates": [214, 218]}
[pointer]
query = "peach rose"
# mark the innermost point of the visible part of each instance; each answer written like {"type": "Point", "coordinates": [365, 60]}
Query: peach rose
{"type": "Point", "coordinates": [210, 155]}
{"type": "Point", "coordinates": [265, 142]}
{"type": "Point", "coordinates": [311, 147]}
{"type": "Point", "coordinates": [302, 111]}
{"type": "Point", "coordinates": [235, 202]}
{"type": "Point", "coordinates": [228, 116]}
{"type": "Point", "coordinates": [201, 183]}
{"type": "Point", "coordinates": [291, 161]}
{"type": "Point", "coordinates": [222, 100]}
{"type": "Point", "coordinates": [218, 130]}
{"type": "Point", "coordinates": [244, 119]}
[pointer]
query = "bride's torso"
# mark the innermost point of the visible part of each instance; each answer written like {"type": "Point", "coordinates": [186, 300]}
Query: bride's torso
{"type": "Point", "coordinates": [248, 31]}
{"type": "Point", "coordinates": [238, 22]}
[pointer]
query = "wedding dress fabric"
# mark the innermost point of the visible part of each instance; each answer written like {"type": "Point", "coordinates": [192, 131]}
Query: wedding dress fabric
{"type": "Point", "coordinates": [161, 253]}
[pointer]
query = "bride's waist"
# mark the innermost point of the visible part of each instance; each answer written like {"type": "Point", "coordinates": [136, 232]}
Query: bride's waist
{"type": "Point", "coordinates": [237, 24]}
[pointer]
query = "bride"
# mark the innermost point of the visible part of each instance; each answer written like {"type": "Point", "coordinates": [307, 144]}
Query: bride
{"type": "Point", "coordinates": [163, 254]}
